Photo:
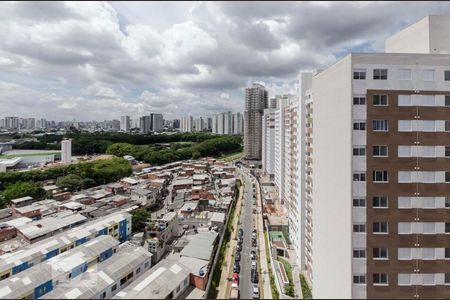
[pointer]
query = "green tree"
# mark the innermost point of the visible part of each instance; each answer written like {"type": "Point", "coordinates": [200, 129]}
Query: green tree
{"type": "Point", "coordinates": [70, 182]}
{"type": "Point", "coordinates": [139, 217]}
{"type": "Point", "coordinates": [19, 190]}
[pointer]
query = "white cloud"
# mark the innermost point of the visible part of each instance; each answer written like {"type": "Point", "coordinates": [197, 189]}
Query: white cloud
{"type": "Point", "coordinates": [63, 60]}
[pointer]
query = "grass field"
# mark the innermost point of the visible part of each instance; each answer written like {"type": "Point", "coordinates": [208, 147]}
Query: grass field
{"type": "Point", "coordinates": [231, 156]}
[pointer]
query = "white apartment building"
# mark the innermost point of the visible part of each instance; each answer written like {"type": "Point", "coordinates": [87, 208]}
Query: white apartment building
{"type": "Point", "coordinates": [125, 123]}
{"type": "Point", "coordinates": [380, 169]}
{"type": "Point", "coordinates": [187, 124]}
{"type": "Point", "coordinates": [66, 151]}
{"type": "Point", "coordinates": [268, 142]}
{"type": "Point", "coordinates": [157, 122]}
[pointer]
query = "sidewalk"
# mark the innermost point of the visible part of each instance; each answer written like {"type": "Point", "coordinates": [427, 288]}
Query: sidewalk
{"type": "Point", "coordinates": [297, 284]}
{"type": "Point", "coordinates": [267, 293]}
{"type": "Point", "coordinates": [225, 284]}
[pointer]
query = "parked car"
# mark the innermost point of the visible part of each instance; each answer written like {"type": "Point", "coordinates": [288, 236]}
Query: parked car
{"type": "Point", "coordinates": [253, 264]}
{"type": "Point", "coordinates": [255, 294]}
{"type": "Point", "coordinates": [237, 257]}
{"type": "Point", "coordinates": [236, 268]}
{"type": "Point", "coordinates": [253, 255]}
{"type": "Point", "coordinates": [254, 276]}
{"type": "Point", "coordinates": [239, 247]}
{"type": "Point", "coordinates": [254, 243]}
{"type": "Point", "coordinates": [235, 276]}
{"type": "Point", "coordinates": [235, 283]}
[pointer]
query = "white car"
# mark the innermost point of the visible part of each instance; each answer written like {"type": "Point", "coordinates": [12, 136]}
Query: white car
{"type": "Point", "coordinates": [255, 292]}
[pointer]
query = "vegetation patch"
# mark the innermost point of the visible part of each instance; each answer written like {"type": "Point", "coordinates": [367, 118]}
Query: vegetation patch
{"type": "Point", "coordinates": [307, 294]}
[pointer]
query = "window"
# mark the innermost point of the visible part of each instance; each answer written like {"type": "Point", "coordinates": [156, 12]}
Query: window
{"type": "Point", "coordinates": [359, 202]}
{"type": "Point", "coordinates": [447, 227]}
{"type": "Point", "coordinates": [428, 75]}
{"type": "Point", "coordinates": [380, 227]}
{"type": "Point", "coordinates": [447, 278]}
{"type": "Point", "coordinates": [404, 125]}
{"type": "Point", "coordinates": [186, 281]}
{"type": "Point", "coordinates": [447, 100]}
{"type": "Point", "coordinates": [380, 151]}
{"type": "Point", "coordinates": [404, 151]}
{"type": "Point", "coordinates": [447, 125]}
{"type": "Point", "coordinates": [404, 202]}
{"type": "Point", "coordinates": [380, 100]}
{"type": "Point", "coordinates": [380, 201]}
{"type": "Point", "coordinates": [380, 176]}
{"type": "Point", "coordinates": [359, 176]}
{"type": "Point", "coordinates": [114, 287]}
{"type": "Point", "coordinates": [380, 278]}
{"type": "Point", "coordinates": [359, 228]}
{"type": "Point", "coordinates": [447, 177]}
{"type": "Point", "coordinates": [428, 100]}
{"type": "Point", "coordinates": [359, 126]}
{"type": "Point", "coordinates": [359, 74]}
{"type": "Point", "coordinates": [178, 289]}
{"type": "Point", "coordinates": [103, 295]}
{"type": "Point", "coordinates": [359, 100]}
{"type": "Point", "coordinates": [428, 253]}
{"type": "Point", "coordinates": [447, 202]}
{"type": "Point", "coordinates": [404, 74]}
{"type": "Point", "coordinates": [380, 125]}
{"type": "Point", "coordinates": [359, 253]}
{"type": "Point", "coordinates": [404, 279]}
{"type": "Point", "coordinates": [428, 125]}
{"type": "Point", "coordinates": [359, 279]}
{"type": "Point", "coordinates": [404, 228]}
{"type": "Point", "coordinates": [404, 253]}
{"type": "Point", "coordinates": [359, 151]}
{"type": "Point", "coordinates": [447, 253]}
{"type": "Point", "coordinates": [447, 75]}
{"type": "Point", "coordinates": [428, 151]}
{"type": "Point", "coordinates": [138, 270]}
{"type": "Point", "coordinates": [428, 228]}
{"type": "Point", "coordinates": [428, 279]}
{"type": "Point", "coordinates": [380, 74]}
{"type": "Point", "coordinates": [380, 253]}
{"type": "Point", "coordinates": [404, 100]}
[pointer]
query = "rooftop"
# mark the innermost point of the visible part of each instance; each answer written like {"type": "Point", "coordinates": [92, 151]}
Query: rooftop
{"type": "Point", "coordinates": [201, 246]}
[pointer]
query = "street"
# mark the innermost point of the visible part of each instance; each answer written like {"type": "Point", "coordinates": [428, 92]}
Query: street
{"type": "Point", "coordinates": [246, 219]}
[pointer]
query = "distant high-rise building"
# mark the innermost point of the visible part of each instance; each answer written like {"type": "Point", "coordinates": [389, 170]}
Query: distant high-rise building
{"type": "Point", "coordinates": [145, 124]}
{"type": "Point", "coordinates": [157, 122]}
{"type": "Point", "coordinates": [2, 123]}
{"type": "Point", "coordinates": [187, 124]}
{"type": "Point", "coordinates": [125, 123]}
{"type": "Point", "coordinates": [66, 151]}
{"type": "Point", "coordinates": [176, 123]}
{"type": "Point", "coordinates": [273, 102]}
{"type": "Point", "coordinates": [11, 122]}
{"type": "Point", "coordinates": [238, 123]}
{"type": "Point", "coordinates": [42, 124]}
{"type": "Point", "coordinates": [31, 123]}
{"type": "Point", "coordinates": [115, 125]}
{"type": "Point", "coordinates": [255, 102]}
{"type": "Point", "coordinates": [209, 121]}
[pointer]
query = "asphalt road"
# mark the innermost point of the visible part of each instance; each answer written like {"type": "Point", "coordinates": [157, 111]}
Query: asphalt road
{"type": "Point", "coordinates": [245, 283]}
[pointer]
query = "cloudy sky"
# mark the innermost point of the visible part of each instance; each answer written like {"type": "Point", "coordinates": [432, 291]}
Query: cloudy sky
{"type": "Point", "coordinates": [100, 60]}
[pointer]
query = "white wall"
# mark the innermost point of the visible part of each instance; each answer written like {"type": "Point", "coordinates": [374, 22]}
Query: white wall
{"type": "Point", "coordinates": [332, 177]}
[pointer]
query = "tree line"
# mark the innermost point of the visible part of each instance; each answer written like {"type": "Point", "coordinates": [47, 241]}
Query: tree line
{"type": "Point", "coordinates": [215, 147]}
{"type": "Point", "coordinates": [71, 177]}
{"type": "Point", "coordinates": [98, 142]}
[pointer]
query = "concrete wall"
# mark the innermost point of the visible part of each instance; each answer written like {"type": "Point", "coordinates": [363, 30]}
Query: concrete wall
{"type": "Point", "coordinates": [332, 177]}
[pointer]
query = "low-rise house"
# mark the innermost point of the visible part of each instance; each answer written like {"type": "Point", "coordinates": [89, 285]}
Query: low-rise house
{"type": "Point", "coordinates": [146, 197]}
{"type": "Point", "coordinates": [182, 183]}
{"type": "Point", "coordinates": [21, 202]}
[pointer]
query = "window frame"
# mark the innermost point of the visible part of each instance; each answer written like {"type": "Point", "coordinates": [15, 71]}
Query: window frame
{"type": "Point", "coordinates": [380, 250]}
{"type": "Point", "coordinates": [384, 175]}
{"type": "Point", "coordinates": [380, 226]}
{"type": "Point", "coordinates": [379, 147]}
{"type": "Point", "coordinates": [358, 100]}
{"type": "Point", "coordinates": [359, 277]}
{"type": "Point", "coordinates": [380, 199]}
{"type": "Point", "coordinates": [446, 75]}
{"type": "Point", "coordinates": [359, 201]}
{"type": "Point", "coordinates": [380, 123]}
{"type": "Point", "coordinates": [359, 72]}
{"type": "Point", "coordinates": [380, 99]}
{"type": "Point", "coordinates": [359, 226]}
{"type": "Point", "coordinates": [380, 276]}
{"type": "Point", "coordinates": [428, 70]}
{"type": "Point", "coordinates": [380, 75]}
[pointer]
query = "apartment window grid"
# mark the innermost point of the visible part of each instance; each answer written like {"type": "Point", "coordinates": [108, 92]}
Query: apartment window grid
{"type": "Point", "coordinates": [380, 151]}
{"type": "Point", "coordinates": [359, 176]}
{"type": "Point", "coordinates": [359, 151]}
{"type": "Point", "coordinates": [359, 279]}
{"type": "Point", "coordinates": [359, 202]}
{"type": "Point", "coordinates": [380, 202]}
{"type": "Point", "coordinates": [380, 74]}
{"type": "Point", "coordinates": [359, 253]}
{"type": "Point", "coordinates": [447, 75]}
{"type": "Point", "coordinates": [359, 228]}
{"type": "Point", "coordinates": [360, 126]}
{"type": "Point", "coordinates": [380, 176]}
{"type": "Point", "coordinates": [447, 100]}
{"type": "Point", "coordinates": [380, 253]}
{"type": "Point", "coordinates": [380, 278]}
{"type": "Point", "coordinates": [380, 227]}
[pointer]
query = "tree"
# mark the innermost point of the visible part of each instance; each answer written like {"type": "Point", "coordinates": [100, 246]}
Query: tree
{"type": "Point", "coordinates": [19, 190]}
{"type": "Point", "coordinates": [70, 182]}
{"type": "Point", "coordinates": [140, 216]}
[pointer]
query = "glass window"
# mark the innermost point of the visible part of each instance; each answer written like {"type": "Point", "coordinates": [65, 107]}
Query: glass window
{"type": "Point", "coordinates": [359, 151]}
{"type": "Point", "coordinates": [428, 151]}
{"type": "Point", "coordinates": [447, 177]}
{"type": "Point", "coordinates": [404, 100]}
{"type": "Point", "coordinates": [359, 100]}
{"type": "Point", "coordinates": [404, 74]}
{"type": "Point", "coordinates": [380, 227]}
{"type": "Point", "coordinates": [380, 100]}
{"type": "Point", "coordinates": [428, 278]}
{"type": "Point", "coordinates": [429, 227]}
{"type": "Point", "coordinates": [380, 278]}
{"type": "Point", "coordinates": [404, 202]}
{"type": "Point", "coordinates": [359, 253]}
{"type": "Point", "coordinates": [380, 151]}
{"type": "Point", "coordinates": [447, 278]}
{"type": "Point", "coordinates": [404, 228]}
{"type": "Point", "coordinates": [380, 253]}
{"type": "Point", "coordinates": [404, 151]}
{"type": "Point", "coordinates": [428, 125]}
{"type": "Point", "coordinates": [428, 100]}
{"type": "Point", "coordinates": [447, 75]}
{"type": "Point", "coordinates": [380, 125]}
{"type": "Point", "coordinates": [380, 176]}
{"type": "Point", "coordinates": [359, 202]}
{"type": "Point", "coordinates": [404, 125]}
{"type": "Point", "coordinates": [114, 287]}
{"type": "Point", "coordinates": [428, 176]}
{"type": "Point", "coordinates": [359, 279]}
{"type": "Point", "coordinates": [447, 227]}
{"type": "Point", "coordinates": [404, 253]}
{"type": "Point", "coordinates": [447, 252]}
{"type": "Point", "coordinates": [447, 202]}
{"type": "Point", "coordinates": [359, 126]}
{"type": "Point", "coordinates": [428, 253]}
{"type": "Point", "coordinates": [359, 228]}
{"type": "Point", "coordinates": [447, 125]}
{"type": "Point", "coordinates": [380, 201]}
{"type": "Point", "coordinates": [428, 75]}
{"type": "Point", "coordinates": [429, 202]}
{"type": "Point", "coordinates": [447, 100]}
{"type": "Point", "coordinates": [404, 279]}
{"type": "Point", "coordinates": [380, 74]}
{"type": "Point", "coordinates": [359, 177]}
{"type": "Point", "coordinates": [359, 74]}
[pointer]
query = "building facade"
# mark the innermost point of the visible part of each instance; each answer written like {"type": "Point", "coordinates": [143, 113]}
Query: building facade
{"type": "Point", "coordinates": [256, 98]}
{"type": "Point", "coordinates": [66, 151]}
{"type": "Point", "coordinates": [381, 170]}
{"type": "Point", "coordinates": [125, 123]}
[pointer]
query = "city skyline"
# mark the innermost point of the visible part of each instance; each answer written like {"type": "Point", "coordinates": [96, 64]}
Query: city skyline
{"type": "Point", "coordinates": [133, 64]}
